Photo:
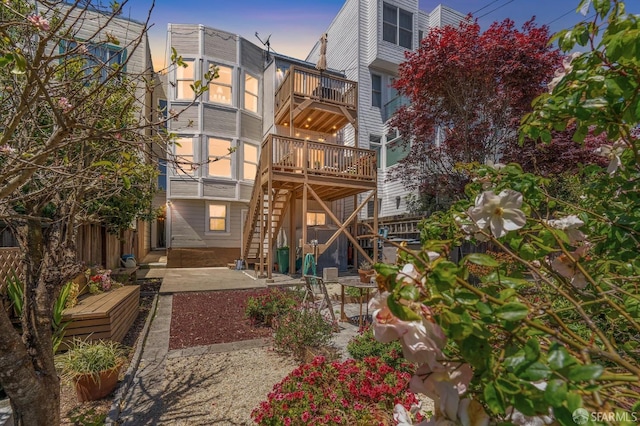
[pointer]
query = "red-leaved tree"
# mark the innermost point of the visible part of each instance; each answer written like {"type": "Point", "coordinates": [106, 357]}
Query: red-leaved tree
{"type": "Point", "coordinates": [470, 88]}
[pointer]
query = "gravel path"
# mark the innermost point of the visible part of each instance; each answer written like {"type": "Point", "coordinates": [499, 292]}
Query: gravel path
{"type": "Point", "coordinates": [220, 388]}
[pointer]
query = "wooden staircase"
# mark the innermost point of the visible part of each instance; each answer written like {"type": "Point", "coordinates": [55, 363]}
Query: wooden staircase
{"type": "Point", "coordinates": [262, 226]}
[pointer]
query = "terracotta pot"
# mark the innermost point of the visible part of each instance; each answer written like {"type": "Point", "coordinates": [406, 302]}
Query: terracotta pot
{"type": "Point", "coordinates": [90, 388]}
{"type": "Point", "coordinates": [365, 276]}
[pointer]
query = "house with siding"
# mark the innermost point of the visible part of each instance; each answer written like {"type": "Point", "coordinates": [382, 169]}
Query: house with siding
{"type": "Point", "coordinates": [369, 52]}
{"type": "Point", "coordinates": [113, 41]}
{"type": "Point", "coordinates": [276, 147]}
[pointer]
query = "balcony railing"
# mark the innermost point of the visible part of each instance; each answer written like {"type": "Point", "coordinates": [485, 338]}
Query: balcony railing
{"type": "Point", "coordinates": [312, 84]}
{"type": "Point", "coordinates": [299, 156]}
{"type": "Point", "coordinates": [394, 105]}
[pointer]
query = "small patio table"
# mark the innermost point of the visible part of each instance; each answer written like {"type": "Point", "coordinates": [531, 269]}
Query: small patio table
{"type": "Point", "coordinates": [361, 286]}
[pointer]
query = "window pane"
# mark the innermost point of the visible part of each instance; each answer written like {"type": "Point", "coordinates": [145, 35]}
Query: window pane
{"type": "Point", "coordinates": [389, 13]}
{"type": "Point", "coordinates": [220, 94]}
{"type": "Point", "coordinates": [405, 39]}
{"type": "Point", "coordinates": [406, 20]}
{"type": "Point", "coordinates": [217, 225]}
{"type": "Point", "coordinates": [321, 219]}
{"type": "Point", "coordinates": [251, 84]}
{"type": "Point", "coordinates": [217, 210]}
{"type": "Point", "coordinates": [389, 33]}
{"type": "Point", "coordinates": [249, 171]}
{"type": "Point", "coordinates": [224, 75]}
{"type": "Point", "coordinates": [396, 152]}
{"type": "Point", "coordinates": [250, 153]}
{"type": "Point", "coordinates": [251, 102]}
{"type": "Point", "coordinates": [184, 90]}
{"type": "Point", "coordinates": [184, 156]}
{"type": "Point", "coordinates": [219, 160]}
{"type": "Point", "coordinates": [183, 73]}
{"type": "Point", "coordinates": [184, 146]}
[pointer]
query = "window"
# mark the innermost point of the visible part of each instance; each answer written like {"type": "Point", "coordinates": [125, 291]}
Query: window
{"type": "Point", "coordinates": [374, 144]}
{"type": "Point", "coordinates": [220, 88]}
{"type": "Point", "coordinates": [100, 58]}
{"type": "Point", "coordinates": [217, 217]}
{"type": "Point", "coordinates": [185, 77]}
{"type": "Point", "coordinates": [397, 26]}
{"type": "Point", "coordinates": [316, 218]}
{"type": "Point", "coordinates": [376, 90]}
{"type": "Point", "coordinates": [370, 206]}
{"type": "Point", "coordinates": [219, 158]}
{"type": "Point", "coordinates": [184, 160]}
{"type": "Point", "coordinates": [250, 93]}
{"type": "Point", "coordinates": [250, 157]}
{"type": "Point", "coordinates": [396, 151]}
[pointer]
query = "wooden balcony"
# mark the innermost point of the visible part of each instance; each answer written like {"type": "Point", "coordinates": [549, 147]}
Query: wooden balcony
{"type": "Point", "coordinates": [335, 171]}
{"type": "Point", "coordinates": [308, 99]}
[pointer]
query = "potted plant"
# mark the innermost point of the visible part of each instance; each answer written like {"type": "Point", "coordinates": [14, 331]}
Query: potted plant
{"type": "Point", "coordinates": [366, 271]}
{"type": "Point", "coordinates": [93, 366]}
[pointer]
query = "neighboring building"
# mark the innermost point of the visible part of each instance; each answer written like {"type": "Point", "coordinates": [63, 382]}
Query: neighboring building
{"type": "Point", "coordinates": [368, 39]}
{"type": "Point", "coordinates": [115, 41]}
{"type": "Point", "coordinates": [263, 99]}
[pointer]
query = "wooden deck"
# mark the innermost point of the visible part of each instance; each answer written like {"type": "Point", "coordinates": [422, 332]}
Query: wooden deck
{"type": "Point", "coordinates": [106, 315]}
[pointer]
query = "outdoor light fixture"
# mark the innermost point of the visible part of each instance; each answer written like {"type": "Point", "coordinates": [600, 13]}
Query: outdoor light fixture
{"type": "Point", "coordinates": [398, 202]}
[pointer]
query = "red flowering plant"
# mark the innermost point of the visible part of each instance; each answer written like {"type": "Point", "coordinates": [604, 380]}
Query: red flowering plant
{"type": "Point", "coordinates": [99, 280]}
{"type": "Point", "coordinates": [274, 302]}
{"type": "Point", "coordinates": [342, 393]}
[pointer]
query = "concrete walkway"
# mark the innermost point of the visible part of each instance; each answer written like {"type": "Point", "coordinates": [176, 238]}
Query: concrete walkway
{"type": "Point", "coordinates": [141, 403]}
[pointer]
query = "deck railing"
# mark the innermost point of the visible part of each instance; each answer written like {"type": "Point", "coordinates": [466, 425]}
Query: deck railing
{"type": "Point", "coordinates": [313, 84]}
{"type": "Point", "coordinates": [300, 156]}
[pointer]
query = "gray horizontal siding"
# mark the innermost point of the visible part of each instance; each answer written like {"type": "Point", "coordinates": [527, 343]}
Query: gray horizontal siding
{"type": "Point", "coordinates": [187, 120]}
{"type": "Point", "coordinates": [185, 39]}
{"type": "Point", "coordinates": [245, 192]}
{"type": "Point", "coordinates": [251, 57]}
{"type": "Point", "coordinates": [250, 127]}
{"type": "Point", "coordinates": [220, 121]}
{"type": "Point", "coordinates": [188, 221]}
{"type": "Point", "coordinates": [219, 44]}
{"type": "Point", "coordinates": [218, 189]}
{"type": "Point", "coordinates": [183, 188]}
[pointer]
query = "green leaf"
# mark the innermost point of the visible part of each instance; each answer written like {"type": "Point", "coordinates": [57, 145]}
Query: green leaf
{"type": "Point", "coordinates": [401, 311]}
{"type": "Point", "coordinates": [483, 308]}
{"type": "Point", "coordinates": [534, 372]}
{"type": "Point", "coordinates": [532, 350]}
{"type": "Point", "coordinates": [585, 372]}
{"type": "Point", "coordinates": [512, 311]}
{"type": "Point", "coordinates": [444, 275]}
{"type": "Point", "coordinates": [409, 292]}
{"type": "Point", "coordinates": [555, 393]}
{"type": "Point", "coordinates": [20, 64]}
{"type": "Point", "coordinates": [494, 399]}
{"type": "Point", "coordinates": [559, 357]}
{"type": "Point", "coordinates": [507, 386]}
{"type": "Point", "coordinates": [482, 259]}
{"type": "Point", "coordinates": [466, 297]}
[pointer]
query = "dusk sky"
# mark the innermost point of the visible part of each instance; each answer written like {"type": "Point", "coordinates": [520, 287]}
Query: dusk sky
{"type": "Point", "coordinates": [296, 25]}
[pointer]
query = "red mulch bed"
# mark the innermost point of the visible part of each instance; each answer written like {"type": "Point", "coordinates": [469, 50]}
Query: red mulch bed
{"type": "Point", "coordinates": [208, 318]}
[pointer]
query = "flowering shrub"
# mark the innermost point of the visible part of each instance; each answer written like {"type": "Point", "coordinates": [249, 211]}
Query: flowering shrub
{"type": "Point", "coordinates": [338, 393]}
{"type": "Point", "coordinates": [273, 303]}
{"type": "Point", "coordinates": [365, 345]}
{"type": "Point", "coordinates": [301, 329]}
{"type": "Point", "coordinates": [556, 336]}
{"type": "Point", "coordinates": [99, 280]}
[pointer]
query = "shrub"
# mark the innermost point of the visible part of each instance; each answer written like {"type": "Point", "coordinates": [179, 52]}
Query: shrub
{"type": "Point", "coordinates": [344, 393]}
{"type": "Point", "coordinates": [365, 345]}
{"type": "Point", "coordinates": [275, 302]}
{"type": "Point", "coordinates": [300, 329]}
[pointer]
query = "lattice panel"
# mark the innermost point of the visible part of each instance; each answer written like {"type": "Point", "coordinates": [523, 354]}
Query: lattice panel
{"type": "Point", "coordinates": [9, 260]}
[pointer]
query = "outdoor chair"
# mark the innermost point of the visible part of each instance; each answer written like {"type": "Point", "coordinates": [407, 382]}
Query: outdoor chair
{"type": "Point", "coordinates": [315, 285]}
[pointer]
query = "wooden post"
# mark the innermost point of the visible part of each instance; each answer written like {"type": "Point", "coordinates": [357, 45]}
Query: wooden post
{"type": "Point", "coordinates": [293, 242]}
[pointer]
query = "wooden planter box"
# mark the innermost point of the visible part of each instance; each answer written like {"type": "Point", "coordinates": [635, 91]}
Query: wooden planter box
{"type": "Point", "coordinates": [107, 315]}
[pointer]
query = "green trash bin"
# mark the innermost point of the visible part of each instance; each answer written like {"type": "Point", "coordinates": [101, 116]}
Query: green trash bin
{"type": "Point", "coordinates": [283, 260]}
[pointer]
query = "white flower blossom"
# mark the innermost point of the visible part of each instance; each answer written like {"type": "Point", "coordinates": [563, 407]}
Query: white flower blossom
{"type": "Point", "coordinates": [570, 225]}
{"type": "Point", "coordinates": [612, 152]}
{"type": "Point", "coordinates": [499, 212]}
{"type": "Point", "coordinates": [566, 266]}
{"type": "Point", "coordinates": [566, 69]}
{"type": "Point", "coordinates": [470, 228]}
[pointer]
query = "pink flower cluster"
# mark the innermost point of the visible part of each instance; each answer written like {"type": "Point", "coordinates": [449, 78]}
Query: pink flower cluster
{"type": "Point", "coordinates": [344, 393]}
{"type": "Point", "coordinates": [39, 22]}
{"type": "Point", "coordinates": [102, 279]}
